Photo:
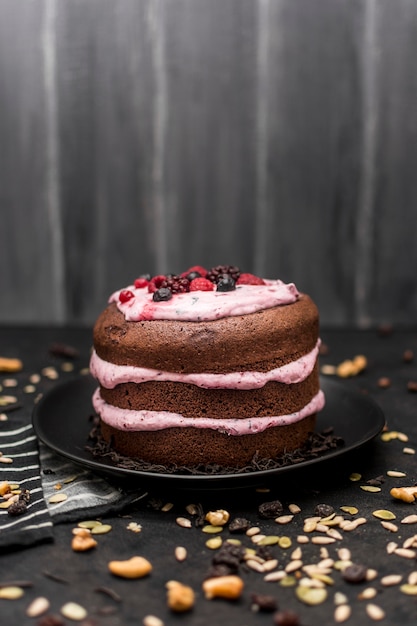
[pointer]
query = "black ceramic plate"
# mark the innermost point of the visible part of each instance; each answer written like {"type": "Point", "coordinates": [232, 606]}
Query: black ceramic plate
{"type": "Point", "coordinates": [61, 421]}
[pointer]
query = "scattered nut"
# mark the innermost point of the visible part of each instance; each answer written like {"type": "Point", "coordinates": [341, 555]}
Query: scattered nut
{"type": "Point", "coordinates": [135, 567]}
{"type": "Point", "coordinates": [228, 587]}
{"type": "Point", "coordinates": [180, 597]}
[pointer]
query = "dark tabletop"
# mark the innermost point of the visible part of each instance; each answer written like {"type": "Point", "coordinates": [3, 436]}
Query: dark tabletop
{"type": "Point", "coordinates": [53, 570]}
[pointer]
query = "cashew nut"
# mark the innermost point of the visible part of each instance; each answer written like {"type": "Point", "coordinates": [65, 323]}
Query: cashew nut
{"type": "Point", "coordinates": [229, 587]}
{"type": "Point", "coordinates": [136, 567]}
{"type": "Point", "coordinates": [406, 494]}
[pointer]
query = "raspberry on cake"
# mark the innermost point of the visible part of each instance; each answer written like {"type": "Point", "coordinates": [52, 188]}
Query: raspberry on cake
{"type": "Point", "coordinates": [195, 375]}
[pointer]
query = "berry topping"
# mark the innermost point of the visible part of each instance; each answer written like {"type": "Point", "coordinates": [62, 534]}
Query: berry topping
{"type": "Point", "coordinates": [162, 294]}
{"type": "Point", "coordinates": [125, 295]}
{"type": "Point", "coordinates": [176, 284]}
{"type": "Point", "coordinates": [225, 283]}
{"type": "Point", "coordinates": [193, 275]}
{"type": "Point", "coordinates": [156, 282]}
{"type": "Point", "coordinates": [249, 279]}
{"type": "Point", "coordinates": [215, 273]}
{"type": "Point", "coordinates": [201, 284]}
{"type": "Point", "coordinates": [196, 268]}
{"type": "Point", "coordinates": [141, 282]}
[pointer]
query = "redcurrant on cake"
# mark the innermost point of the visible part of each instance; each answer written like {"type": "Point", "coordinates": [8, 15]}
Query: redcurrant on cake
{"type": "Point", "coordinates": [207, 367]}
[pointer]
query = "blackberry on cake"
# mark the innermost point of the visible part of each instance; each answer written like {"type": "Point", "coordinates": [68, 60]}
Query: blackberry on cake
{"type": "Point", "coordinates": [210, 366]}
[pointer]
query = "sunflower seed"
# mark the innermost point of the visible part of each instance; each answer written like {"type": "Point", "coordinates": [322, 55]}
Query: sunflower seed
{"type": "Point", "coordinates": [409, 589]}
{"type": "Point", "coordinates": [37, 607]}
{"type": "Point", "coordinates": [390, 526]}
{"type": "Point", "coordinates": [180, 553]}
{"type": "Point", "coordinates": [74, 611]}
{"type": "Point", "coordinates": [367, 594]}
{"type": "Point", "coordinates": [183, 522]}
{"type": "Point", "coordinates": [58, 497]}
{"type": "Point", "coordinates": [391, 580]}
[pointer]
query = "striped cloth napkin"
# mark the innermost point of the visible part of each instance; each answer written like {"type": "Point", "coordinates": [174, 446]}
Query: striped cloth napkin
{"type": "Point", "coordinates": [32, 466]}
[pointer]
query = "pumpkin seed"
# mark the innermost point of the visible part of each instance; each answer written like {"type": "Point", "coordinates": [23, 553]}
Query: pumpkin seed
{"type": "Point", "coordinates": [384, 514]}
{"type": "Point", "coordinates": [212, 530]}
{"type": "Point", "coordinates": [58, 497]}
{"type": "Point", "coordinates": [311, 595]}
{"type": "Point", "coordinates": [370, 488]}
{"type": "Point", "coordinates": [408, 589]}
{"type": "Point", "coordinates": [214, 542]}
{"type": "Point", "coordinates": [89, 524]}
{"type": "Point", "coordinates": [288, 581]}
{"type": "Point", "coordinates": [352, 510]}
{"type": "Point", "coordinates": [101, 529]}
{"type": "Point", "coordinates": [355, 476]}
{"type": "Point", "coordinates": [269, 540]}
{"type": "Point", "coordinates": [340, 598]}
{"type": "Point", "coordinates": [284, 542]}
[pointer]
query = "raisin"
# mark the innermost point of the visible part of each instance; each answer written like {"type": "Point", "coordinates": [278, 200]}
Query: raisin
{"type": "Point", "coordinates": [269, 510]}
{"type": "Point", "coordinates": [324, 510]}
{"type": "Point", "coordinates": [354, 573]}
{"type": "Point", "coordinates": [17, 508]}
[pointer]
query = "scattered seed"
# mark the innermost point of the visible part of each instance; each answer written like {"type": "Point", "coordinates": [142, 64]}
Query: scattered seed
{"type": "Point", "coordinates": [101, 529]}
{"type": "Point", "coordinates": [405, 553]}
{"type": "Point", "coordinates": [303, 539]}
{"type": "Point", "coordinates": [322, 540]}
{"type": "Point", "coordinates": [412, 578]}
{"type": "Point", "coordinates": [89, 524]}
{"type": "Point", "coordinates": [294, 509]}
{"type": "Point", "coordinates": [288, 581]}
{"type": "Point", "coordinates": [181, 553]}
{"type": "Point", "coordinates": [384, 514]}
{"type": "Point", "coordinates": [74, 611]}
{"type": "Point", "coordinates": [296, 554]}
{"type": "Point", "coordinates": [352, 510]}
{"type": "Point", "coordinates": [293, 566]}
{"type": "Point", "coordinates": [391, 579]}
{"type": "Point", "coordinates": [342, 613]}
{"type": "Point", "coordinates": [328, 370]}
{"type": "Point", "coordinates": [212, 530]}
{"type": "Point", "coordinates": [355, 476]}
{"type": "Point", "coordinates": [371, 574]}
{"type": "Point", "coordinates": [390, 526]}
{"type": "Point", "coordinates": [214, 542]}
{"type": "Point", "coordinates": [270, 565]}
{"type": "Point", "coordinates": [375, 612]}
{"type": "Point", "coordinates": [340, 598]}
{"type": "Point", "coordinates": [409, 451]}
{"type": "Point", "coordinates": [284, 519]}
{"type": "Point", "coordinates": [58, 497]}
{"type": "Point", "coordinates": [370, 488]}
{"type": "Point", "coordinates": [367, 594]}
{"type": "Point", "coordinates": [183, 522]}
{"type": "Point", "coordinates": [167, 507]}
{"type": "Point", "coordinates": [396, 474]}
{"type": "Point", "coordinates": [6, 460]}
{"type": "Point", "coordinates": [29, 389]}
{"type": "Point", "coordinates": [409, 589]}
{"type": "Point", "coordinates": [152, 620]}
{"type": "Point", "coordinates": [269, 540]}
{"type": "Point", "coordinates": [311, 596]}
{"type": "Point", "coordinates": [284, 542]}
{"type": "Point", "coordinates": [273, 577]}
{"type": "Point", "coordinates": [37, 607]}
{"type": "Point", "coordinates": [255, 565]}
{"type": "Point", "coordinates": [254, 530]}
{"type": "Point", "coordinates": [391, 547]}
{"type": "Point", "coordinates": [409, 519]}
{"type": "Point", "coordinates": [192, 509]}
{"type": "Point", "coordinates": [11, 593]}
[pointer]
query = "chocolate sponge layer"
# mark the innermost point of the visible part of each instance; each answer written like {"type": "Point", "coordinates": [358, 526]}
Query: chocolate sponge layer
{"type": "Point", "coordinates": [259, 342]}
{"type": "Point", "coordinates": [192, 446]}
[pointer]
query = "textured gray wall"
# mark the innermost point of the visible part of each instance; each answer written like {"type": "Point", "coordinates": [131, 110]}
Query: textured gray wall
{"type": "Point", "coordinates": [150, 135]}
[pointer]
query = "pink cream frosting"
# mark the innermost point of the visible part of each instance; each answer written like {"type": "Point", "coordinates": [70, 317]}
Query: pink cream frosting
{"type": "Point", "coordinates": [128, 420]}
{"type": "Point", "coordinates": [199, 306]}
{"type": "Point", "coordinates": [109, 375]}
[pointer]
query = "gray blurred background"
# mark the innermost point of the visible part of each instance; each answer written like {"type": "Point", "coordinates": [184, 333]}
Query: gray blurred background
{"type": "Point", "coordinates": [151, 135]}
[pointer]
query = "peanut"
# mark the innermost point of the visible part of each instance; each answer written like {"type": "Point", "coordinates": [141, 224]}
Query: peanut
{"type": "Point", "coordinates": [135, 567]}
{"type": "Point", "coordinates": [10, 365]}
{"type": "Point", "coordinates": [229, 587]}
{"type": "Point", "coordinates": [180, 597]}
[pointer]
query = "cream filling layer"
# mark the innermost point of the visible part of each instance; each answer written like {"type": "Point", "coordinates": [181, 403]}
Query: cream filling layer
{"type": "Point", "coordinates": [109, 375]}
{"type": "Point", "coordinates": [137, 421]}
